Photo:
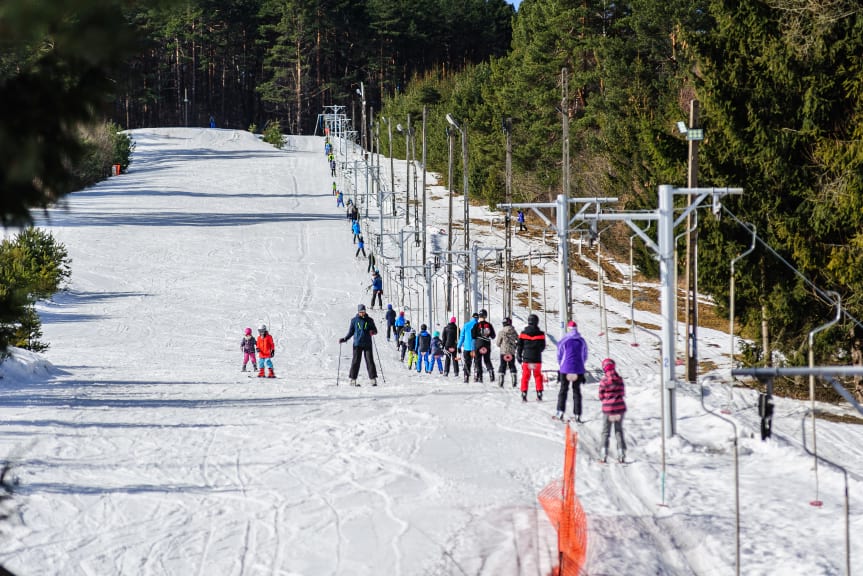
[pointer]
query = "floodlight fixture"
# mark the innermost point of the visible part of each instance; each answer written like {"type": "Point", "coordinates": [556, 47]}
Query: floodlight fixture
{"type": "Point", "coordinates": [399, 127]}
{"type": "Point", "coordinates": [452, 121]}
{"type": "Point", "coordinates": [681, 127]}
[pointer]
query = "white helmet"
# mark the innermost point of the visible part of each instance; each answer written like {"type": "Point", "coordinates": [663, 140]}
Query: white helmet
{"type": "Point", "coordinates": [263, 328]}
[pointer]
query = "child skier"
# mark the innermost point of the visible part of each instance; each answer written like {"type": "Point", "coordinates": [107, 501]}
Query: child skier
{"type": "Point", "coordinates": [611, 393]}
{"type": "Point", "coordinates": [423, 348]}
{"type": "Point", "coordinates": [531, 343]}
{"type": "Point", "coordinates": [340, 199]}
{"type": "Point", "coordinates": [411, 344]}
{"type": "Point", "coordinates": [398, 328]}
{"type": "Point", "coordinates": [402, 339]}
{"type": "Point", "coordinates": [248, 347]}
{"type": "Point", "coordinates": [436, 352]}
{"type": "Point", "coordinates": [507, 341]}
{"type": "Point", "coordinates": [361, 247]}
{"type": "Point", "coordinates": [266, 351]}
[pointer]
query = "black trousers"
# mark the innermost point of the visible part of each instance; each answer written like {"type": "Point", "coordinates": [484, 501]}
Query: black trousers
{"type": "Point", "coordinates": [468, 362]}
{"type": "Point", "coordinates": [450, 358]}
{"type": "Point", "coordinates": [504, 364]}
{"type": "Point", "coordinates": [484, 359]}
{"type": "Point", "coordinates": [379, 294]}
{"type": "Point", "coordinates": [370, 363]}
{"type": "Point", "coordinates": [564, 392]}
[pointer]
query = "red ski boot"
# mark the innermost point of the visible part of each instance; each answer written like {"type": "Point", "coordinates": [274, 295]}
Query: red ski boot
{"type": "Point", "coordinates": [261, 373]}
{"type": "Point", "coordinates": [271, 374]}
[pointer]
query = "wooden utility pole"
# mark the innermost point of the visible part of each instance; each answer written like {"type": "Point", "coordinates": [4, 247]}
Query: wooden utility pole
{"type": "Point", "coordinates": [564, 112]}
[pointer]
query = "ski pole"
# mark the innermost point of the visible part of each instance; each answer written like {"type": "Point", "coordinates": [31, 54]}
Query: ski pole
{"type": "Point", "coordinates": [380, 367]}
{"type": "Point", "coordinates": [339, 368]}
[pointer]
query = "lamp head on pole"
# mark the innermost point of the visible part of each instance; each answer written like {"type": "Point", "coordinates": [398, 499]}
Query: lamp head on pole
{"type": "Point", "coordinates": [452, 121]}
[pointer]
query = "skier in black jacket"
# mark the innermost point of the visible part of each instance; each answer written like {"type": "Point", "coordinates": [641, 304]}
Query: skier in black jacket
{"type": "Point", "coordinates": [449, 336]}
{"type": "Point", "coordinates": [531, 343]}
{"type": "Point", "coordinates": [483, 335]}
{"type": "Point", "coordinates": [362, 329]}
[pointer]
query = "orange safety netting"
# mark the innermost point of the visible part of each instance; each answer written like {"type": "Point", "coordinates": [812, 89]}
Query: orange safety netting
{"type": "Point", "coordinates": [561, 504]}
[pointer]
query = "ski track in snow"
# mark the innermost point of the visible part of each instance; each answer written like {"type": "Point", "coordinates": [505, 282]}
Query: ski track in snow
{"type": "Point", "coordinates": [148, 452]}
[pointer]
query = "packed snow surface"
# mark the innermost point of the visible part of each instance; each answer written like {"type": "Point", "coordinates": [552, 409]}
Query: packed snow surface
{"type": "Point", "coordinates": [140, 447]}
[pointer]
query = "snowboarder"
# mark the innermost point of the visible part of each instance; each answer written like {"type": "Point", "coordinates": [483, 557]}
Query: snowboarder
{"type": "Point", "coordinates": [247, 345]}
{"type": "Point", "coordinates": [465, 344]}
{"type": "Point", "coordinates": [377, 287]}
{"type": "Point", "coordinates": [520, 218]}
{"type": "Point", "coordinates": [362, 328]}
{"type": "Point", "coordinates": [611, 393]}
{"type": "Point", "coordinates": [450, 344]}
{"type": "Point", "coordinates": [483, 333]}
{"type": "Point", "coordinates": [531, 343]}
{"type": "Point", "coordinates": [507, 341]}
{"type": "Point", "coordinates": [423, 349]}
{"type": "Point", "coordinates": [391, 320]}
{"type": "Point", "coordinates": [266, 351]}
{"type": "Point", "coordinates": [361, 247]}
{"type": "Point", "coordinates": [436, 353]}
{"type": "Point", "coordinates": [571, 356]}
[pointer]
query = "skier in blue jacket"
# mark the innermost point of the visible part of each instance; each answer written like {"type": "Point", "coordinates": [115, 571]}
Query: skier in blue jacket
{"type": "Point", "coordinates": [465, 344]}
{"type": "Point", "coordinates": [362, 329]}
{"type": "Point", "coordinates": [355, 228]}
{"type": "Point", "coordinates": [377, 290]}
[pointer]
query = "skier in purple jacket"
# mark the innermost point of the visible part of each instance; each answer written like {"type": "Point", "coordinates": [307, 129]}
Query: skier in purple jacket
{"type": "Point", "coordinates": [571, 356]}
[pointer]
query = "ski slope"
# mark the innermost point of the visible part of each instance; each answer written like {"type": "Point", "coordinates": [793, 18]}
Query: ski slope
{"type": "Point", "coordinates": [141, 448]}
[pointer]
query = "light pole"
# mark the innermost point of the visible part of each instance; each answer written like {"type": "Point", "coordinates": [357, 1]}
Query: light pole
{"type": "Point", "coordinates": [407, 133]}
{"type": "Point", "coordinates": [464, 166]}
{"type": "Point", "coordinates": [362, 93]}
{"type": "Point", "coordinates": [507, 277]}
{"type": "Point", "coordinates": [449, 136]}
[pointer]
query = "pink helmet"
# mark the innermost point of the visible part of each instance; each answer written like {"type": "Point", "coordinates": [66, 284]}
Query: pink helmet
{"type": "Point", "coordinates": [248, 331]}
{"type": "Point", "coordinates": [452, 319]}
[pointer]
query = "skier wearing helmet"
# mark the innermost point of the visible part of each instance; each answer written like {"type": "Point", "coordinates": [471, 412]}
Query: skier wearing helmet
{"type": "Point", "coordinates": [531, 343]}
{"type": "Point", "coordinates": [266, 351]}
{"type": "Point", "coordinates": [247, 345]}
{"type": "Point", "coordinates": [483, 334]}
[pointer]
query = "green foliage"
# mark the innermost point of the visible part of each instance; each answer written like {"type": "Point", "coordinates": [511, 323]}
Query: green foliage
{"type": "Point", "coordinates": [55, 73]}
{"type": "Point", "coordinates": [253, 127]}
{"type": "Point", "coordinates": [123, 146]}
{"type": "Point", "coordinates": [273, 134]}
{"type": "Point", "coordinates": [33, 266]}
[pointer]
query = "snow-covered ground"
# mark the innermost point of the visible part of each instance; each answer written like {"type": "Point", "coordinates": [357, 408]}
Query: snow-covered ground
{"type": "Point", "coordinates": [142, 449]}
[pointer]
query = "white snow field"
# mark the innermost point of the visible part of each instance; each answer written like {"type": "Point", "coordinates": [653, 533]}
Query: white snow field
{"type": "Point", "coordinates": [141, 449]}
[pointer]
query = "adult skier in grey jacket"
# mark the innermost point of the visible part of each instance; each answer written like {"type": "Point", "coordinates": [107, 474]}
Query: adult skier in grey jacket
{"type": "Point", "coordinates": [507, 341]}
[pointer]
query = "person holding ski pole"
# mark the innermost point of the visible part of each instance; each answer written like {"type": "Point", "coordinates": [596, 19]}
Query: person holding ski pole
{"type": "Point", "coordinates": [377, 290]}
{"type": "Point", "coordinates": [362, 328]}
{"type": "Point", "coordinates": [571, 356]}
